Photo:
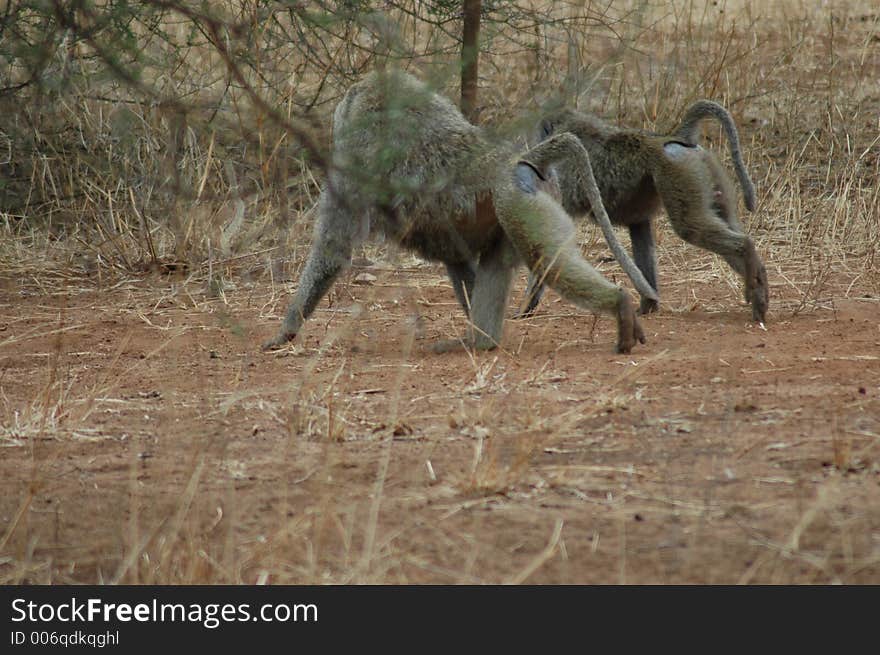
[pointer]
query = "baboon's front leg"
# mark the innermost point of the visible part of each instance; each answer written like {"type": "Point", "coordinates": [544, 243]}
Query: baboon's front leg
{"type": "Point", "coordinates": [641, 237]}
{"type": "Point", "coordinates": [329, 256]}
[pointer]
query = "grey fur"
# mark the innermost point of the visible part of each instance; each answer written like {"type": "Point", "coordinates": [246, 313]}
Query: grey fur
{"type": "Point", "coordinates": [407, 163]}
{"type": "Point", "coordinates": [637, 173]}
{"type": "Point", "coordinates": [567, 148]}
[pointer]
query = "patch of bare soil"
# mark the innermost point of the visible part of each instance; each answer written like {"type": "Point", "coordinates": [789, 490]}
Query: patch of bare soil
{"type": "Point", "coordinates": [145, 439]}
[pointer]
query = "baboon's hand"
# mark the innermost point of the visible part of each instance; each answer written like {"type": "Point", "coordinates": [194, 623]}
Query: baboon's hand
{"type": "Point", "coordinates": [628, 328]}
{"type": "Point", "coordinates": [279, 340]}
{"type": "Point", "coordinates": [648, 306]}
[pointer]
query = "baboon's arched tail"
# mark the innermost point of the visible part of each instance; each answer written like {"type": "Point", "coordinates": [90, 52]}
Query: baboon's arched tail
{"type": "Point", "coordinates": [688, 131]}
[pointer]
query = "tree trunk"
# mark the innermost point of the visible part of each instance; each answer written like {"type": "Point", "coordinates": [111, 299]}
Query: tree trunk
{"type": "Point", "coordinates": [470, 54]}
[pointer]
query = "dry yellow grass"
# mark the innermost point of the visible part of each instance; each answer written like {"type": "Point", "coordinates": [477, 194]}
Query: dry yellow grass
{"type": "Point", "coordinates": [141, 255]}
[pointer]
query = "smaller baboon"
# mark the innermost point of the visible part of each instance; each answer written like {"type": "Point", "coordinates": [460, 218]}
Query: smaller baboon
{"type": "Point", "coordinates": [407, 163]}
{"type": "Point", "coordinates": [638, 172]}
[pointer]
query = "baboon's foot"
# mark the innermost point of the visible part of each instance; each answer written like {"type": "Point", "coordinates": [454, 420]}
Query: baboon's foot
{"type": "Point", "coordinates": [649, 306]}
{"type": "Point", "coordinates": [628, 329]}
{"type": "Point", "coordinates": [757, 289]}
{"type": "Point", "coordinates": [759, 296]}
{"type": "Point", "coordinates": [526, 313]}
{"type": "Point", "coordinates": [279, 340]}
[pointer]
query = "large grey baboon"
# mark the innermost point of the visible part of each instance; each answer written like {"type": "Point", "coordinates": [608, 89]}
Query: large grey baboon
{"type": "Point", "coordinates": [406, 162]}
{"type": "Point", "coordinates": [638, 173]}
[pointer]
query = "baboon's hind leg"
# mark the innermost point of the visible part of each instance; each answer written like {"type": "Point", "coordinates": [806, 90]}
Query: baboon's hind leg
{"type": "Point", "coordinates": [748, 265]}
{"type": "Point", "coordinates": [754, 273]}
{"type": "Point", "coordinates": [737, 249]}
{"type": "Point", "coordinates": [490, 291]}
{"type": "Point", "coordinates": [700, 202]}
{"type": "Point", "coordinates": [545, 238]}
{"type": "Point", "coordinates": [574, 279]}
{"type": "Point", "coordinates": [330, 254]}
{"type": "Point", "coordinates": [641, 237]}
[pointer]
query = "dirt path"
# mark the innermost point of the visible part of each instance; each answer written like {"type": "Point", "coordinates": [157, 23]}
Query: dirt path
{"type": "Point", "coordinates": [145, 439]}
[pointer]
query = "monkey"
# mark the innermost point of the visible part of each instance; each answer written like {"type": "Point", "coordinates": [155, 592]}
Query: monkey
{"type": "Point", "coordinates": [639, 172]}
{"type": "Point", "coordinates": [406, 163]}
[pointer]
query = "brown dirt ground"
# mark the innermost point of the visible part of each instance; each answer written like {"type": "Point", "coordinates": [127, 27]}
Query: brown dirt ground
{"type": "Point", "coordinates": [145, 438]}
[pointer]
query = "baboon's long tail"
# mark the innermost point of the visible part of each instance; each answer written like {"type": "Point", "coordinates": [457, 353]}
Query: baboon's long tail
{"type": "Point", "coordinates": [566, 144]}
{"type": "Point", "coordinates": [688, 131]}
